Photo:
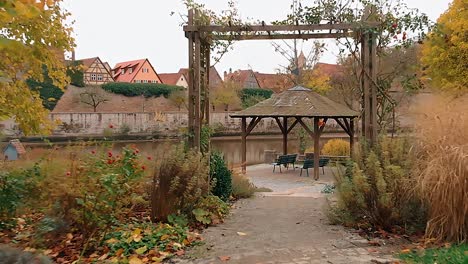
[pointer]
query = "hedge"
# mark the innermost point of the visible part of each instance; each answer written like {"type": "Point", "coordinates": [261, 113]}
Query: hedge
{"type": "Point", "coordinates": [139, 89]}
{"type": "Point", "coordinates": [249, 92]}
{"type": "Point", "coordinates": [252, 96]}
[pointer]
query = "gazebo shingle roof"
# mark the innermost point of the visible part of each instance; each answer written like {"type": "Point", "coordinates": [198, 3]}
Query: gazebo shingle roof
{"type": "Point", "coordinates": [297, 102]}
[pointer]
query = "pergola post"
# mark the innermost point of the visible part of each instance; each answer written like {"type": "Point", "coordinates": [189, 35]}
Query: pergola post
{"type": "Point", "coordinates": [244, 144]}
{"type": "Point", "coordinates": [285, 135]}
{"type": "Point", "coordinates": [316, 148]}
{"type": "Point", "coordinates": [351, 138]}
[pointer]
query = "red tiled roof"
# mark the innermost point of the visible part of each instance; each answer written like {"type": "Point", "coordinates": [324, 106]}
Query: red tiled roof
{"type": "Point", "coordinates": [135, 64]}
{"type": "Point", "coordinates": [170, 78]}
{"type": "Point", "coordinates": [328, 69]}
{"type": "Point", "coordinates": [275, 82]}
{"type": "Point", "coordinates": [240, 76]}
{"type": "Point", "coordinates": [18, 146]}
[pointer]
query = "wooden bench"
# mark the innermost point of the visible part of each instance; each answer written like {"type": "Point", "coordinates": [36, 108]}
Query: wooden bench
{"type": "Point", "coordinates": [309, 164]}
{"type": "Point", "coordinates": [285, 160]}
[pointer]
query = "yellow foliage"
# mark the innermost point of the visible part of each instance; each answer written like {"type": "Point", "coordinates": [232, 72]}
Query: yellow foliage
{"type": "Point", "coordinates": [317, 80]}
{"type": "Point", "coordinates": [336, 147]}
{"type": "Point", "coordinates": [34, 36]}
{"type": "Point", "coordinates": [445, 53]}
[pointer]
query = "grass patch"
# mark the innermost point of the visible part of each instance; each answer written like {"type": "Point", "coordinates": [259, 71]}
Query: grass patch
{"type": "Point", "coordinates": [455, 254]}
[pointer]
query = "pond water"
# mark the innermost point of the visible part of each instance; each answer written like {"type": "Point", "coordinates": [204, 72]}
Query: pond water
{"type": "Point", "coordinates": [229, 146]}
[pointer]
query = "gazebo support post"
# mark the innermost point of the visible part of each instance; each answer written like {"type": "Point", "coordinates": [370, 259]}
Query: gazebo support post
{"type": "Point", "coordinates": [316, 148]}
{"type": "Point", "coordinates": [285, 136]}
{"type": "Point", "coordinates": [244, 145]}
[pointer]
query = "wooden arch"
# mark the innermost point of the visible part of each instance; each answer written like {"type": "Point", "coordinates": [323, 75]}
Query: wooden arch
{"type": "Point", "coordinates": [200, 38]}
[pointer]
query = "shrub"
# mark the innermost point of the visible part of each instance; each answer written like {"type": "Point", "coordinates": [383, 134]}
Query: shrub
{"type": "Point", "coordinates": [141, 89]}
{"type": "Point", "coordinates": [103, 181]}
{"type": "Point", "coordinates": [210, 210]}
{"type": "Point", "coordinates": [144, 238]}
{"type": "Point", "coordinates": [125, 129]}
{"type": "Point", "coordinates": [17, 188]}
{"type": "Point", "coordinates": [241, 186]}
{"type": "Point", "coordinates": [442, 167]}
{"type": "Point", "coordinates": [252, 96]}
{"type": "Point", "coordinates": [179, 182]}
{"type": "Point", "coordinates": [378, 189]}
{"type": "Point", "coordinates": [221, 177]}
{"type": "Point", "coordinates": [336, 147]}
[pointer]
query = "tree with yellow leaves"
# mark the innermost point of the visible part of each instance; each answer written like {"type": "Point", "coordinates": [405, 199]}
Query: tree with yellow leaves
{"type": "Point", "coordinates": [445, 52]}
{"type": "Point", "coordinates": [33, 36]}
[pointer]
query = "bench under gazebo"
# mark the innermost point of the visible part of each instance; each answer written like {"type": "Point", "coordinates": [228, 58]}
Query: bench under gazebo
{"type": "Point", "coordinates": [298, 104]}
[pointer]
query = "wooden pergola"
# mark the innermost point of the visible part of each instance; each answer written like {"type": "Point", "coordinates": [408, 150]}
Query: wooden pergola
{"type": "Point", "coordinates": [297, 104]}
{"type": "Point", "coordinates": [201, 36]}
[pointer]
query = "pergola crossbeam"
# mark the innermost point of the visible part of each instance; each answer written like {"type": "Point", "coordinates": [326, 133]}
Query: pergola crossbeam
{"type": "Point", "coordinates": [254, 122]}
{"type": "Point", "coordinates": [276, 28]}
{"type": "Point", "coordinates": [292, 126]}
{"type": "Point", "coordinates": [266, 36]}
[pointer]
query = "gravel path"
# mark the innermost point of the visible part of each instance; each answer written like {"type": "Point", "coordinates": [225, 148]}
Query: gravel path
{"type": "Point", "coordinates": [287, 225]}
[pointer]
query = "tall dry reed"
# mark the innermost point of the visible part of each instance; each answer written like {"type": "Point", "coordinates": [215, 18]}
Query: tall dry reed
{"type": "Point", "coordinates": [442, 169]}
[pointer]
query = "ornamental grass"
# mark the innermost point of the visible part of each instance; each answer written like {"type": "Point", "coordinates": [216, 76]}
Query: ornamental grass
{"type": "Point", "coordinates": [442, 167]}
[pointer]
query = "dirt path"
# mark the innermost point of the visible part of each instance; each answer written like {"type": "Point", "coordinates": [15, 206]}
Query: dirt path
{"type": "Point", "coordinates": [287, 225]}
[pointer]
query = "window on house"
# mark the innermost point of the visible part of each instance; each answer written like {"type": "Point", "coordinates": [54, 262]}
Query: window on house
{"type": "Point", "coordinates": [145, 70]}
{"type": "Point", "coordinates": [122, 71]}
{"type": "Point", "coordinates": [93, 77]}
{"type": "Point", "coordinates": [99, 77]}
{"type": "Point", "coordinates": [130, 70]}
{"type": "Point", "coordinates": [137, 81]}
{"type": "Point", "coordinates": [154, 81]}
{"type": "Point", "coordinates": [145, 81]}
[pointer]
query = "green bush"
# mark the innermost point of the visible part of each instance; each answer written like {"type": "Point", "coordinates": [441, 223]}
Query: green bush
{"type": "Point", "coordinates": [210, 210]}
{"type": "Point", "coordinates": [140, 238]}
{"type": "Point", "coordinates": [104, 182]}
{"type": "Point", "coordinates": [251, 96]}
{"type": "Point", "coordinates": [17, 188]}
{"type": "Point", "coordinates": [141, 89]}
{"type": "Point", "coordinates": [221, 177]}
{"type": "Point", "coordinates": [377, 190]}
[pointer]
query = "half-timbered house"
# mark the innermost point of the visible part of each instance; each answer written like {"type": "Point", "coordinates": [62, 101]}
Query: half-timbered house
{"type": "Point", "coordinates": [95, 72]}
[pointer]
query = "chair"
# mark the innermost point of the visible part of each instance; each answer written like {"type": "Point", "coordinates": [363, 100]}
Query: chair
{"type": "Point", "coordinates": [292, 160]}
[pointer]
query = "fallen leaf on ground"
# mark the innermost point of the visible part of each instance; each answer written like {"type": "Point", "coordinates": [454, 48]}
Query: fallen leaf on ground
{"type": "Point", "coordinates": [241, 234]}
{"type": "Point", "coordinates": [224, 258]}
{"type": "Point", "coordinates": [406, 251]}
{"type": "Point", "coordinates": [374, 243]}
{"type": "Point", "coordinates": [135, 260]}
{"type": "Point", "coordinates": [141, 250]}
{"type": "Point", "coordinates": [103, 257]}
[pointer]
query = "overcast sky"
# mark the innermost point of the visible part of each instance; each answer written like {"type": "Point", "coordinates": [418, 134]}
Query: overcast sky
{"type": "Point", "coordinates": [120, 30]}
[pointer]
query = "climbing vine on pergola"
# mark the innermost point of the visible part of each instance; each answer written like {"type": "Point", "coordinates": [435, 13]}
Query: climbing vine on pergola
{"type": "Point", "coordinates": [202, 35]}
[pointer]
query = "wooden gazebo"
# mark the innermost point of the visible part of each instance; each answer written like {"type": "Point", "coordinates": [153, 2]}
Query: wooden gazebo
{"type": "Point", "coordinates": [297, 103]}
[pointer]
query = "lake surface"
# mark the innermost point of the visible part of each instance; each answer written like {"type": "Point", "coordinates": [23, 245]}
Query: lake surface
{"type": "Point", "coordinates": [230, 146]}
